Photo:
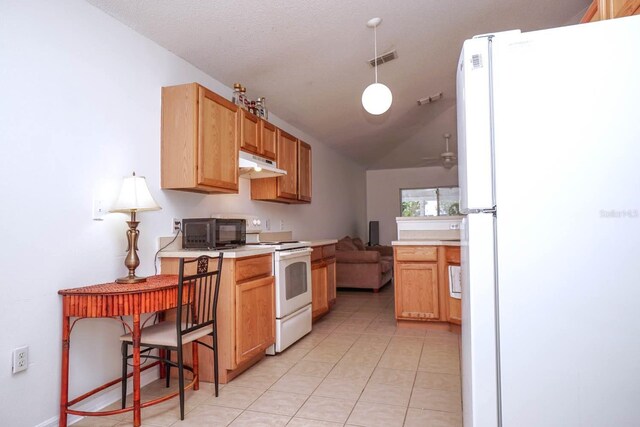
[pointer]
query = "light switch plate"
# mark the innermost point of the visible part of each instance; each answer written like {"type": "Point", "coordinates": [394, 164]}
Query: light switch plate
{"type": "Point", "coordinates": [99, 209]}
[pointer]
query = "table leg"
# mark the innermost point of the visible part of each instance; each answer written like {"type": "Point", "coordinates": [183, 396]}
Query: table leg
{"type": "Point", "coordinates": [135, 337]}
{"type": "Point", "coordinates": [64, 372]}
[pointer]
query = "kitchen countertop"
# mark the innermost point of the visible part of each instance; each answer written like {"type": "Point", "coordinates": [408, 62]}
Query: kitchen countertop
{"type": "Point", "coordinates": [314, 243]}
{"type": "Point", "coordinates": [240, 252]}
{"type": "Point", "coordinates": [418, 242]}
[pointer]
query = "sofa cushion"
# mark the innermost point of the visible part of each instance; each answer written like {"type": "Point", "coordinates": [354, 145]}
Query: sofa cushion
{"type": "Point", "coordinates": [358, 243]}
{"type": "Point", "coordinates": [346, 244]}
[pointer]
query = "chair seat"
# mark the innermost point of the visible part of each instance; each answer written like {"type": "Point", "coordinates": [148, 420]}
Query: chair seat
{"type": "Point", "coordinates": [164, 334]}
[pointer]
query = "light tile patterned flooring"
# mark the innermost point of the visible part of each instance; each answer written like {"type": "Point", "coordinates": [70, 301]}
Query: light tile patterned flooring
{"type": "Point", "coordinates": [356, 368]}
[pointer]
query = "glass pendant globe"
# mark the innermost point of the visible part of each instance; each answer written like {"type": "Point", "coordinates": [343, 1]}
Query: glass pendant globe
{"type": "Point", "coordinates": [376, 98]}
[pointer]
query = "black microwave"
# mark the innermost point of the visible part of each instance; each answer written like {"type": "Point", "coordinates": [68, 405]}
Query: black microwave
{"type": "Point", "coordinates": [213, 233]}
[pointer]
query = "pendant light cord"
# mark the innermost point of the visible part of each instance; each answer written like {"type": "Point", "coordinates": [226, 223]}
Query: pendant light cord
{"type": "Point", "coordinates": [375, 52]}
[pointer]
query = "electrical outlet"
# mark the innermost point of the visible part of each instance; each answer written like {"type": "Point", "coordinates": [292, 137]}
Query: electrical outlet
{"type": "Point", "coordinates": [20, 359]}
{"type": "Point", "coordinates": [282, 225]}
{"type": "Point", "coordinates": [267, 224]}
{"type": "Point", "coordinates": [176, 224]}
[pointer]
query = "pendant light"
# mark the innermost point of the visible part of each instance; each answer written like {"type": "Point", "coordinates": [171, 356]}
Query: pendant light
{"type": "Point", "coordinates": [376, 98]}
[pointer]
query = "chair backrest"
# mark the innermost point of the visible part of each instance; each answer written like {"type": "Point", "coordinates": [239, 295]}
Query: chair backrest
{"type": "Point", "coordinates": [198, 293]}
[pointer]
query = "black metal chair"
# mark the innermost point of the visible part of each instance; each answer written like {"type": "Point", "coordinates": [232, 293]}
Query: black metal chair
{"type": "Point", "coordinates": [195, 319]}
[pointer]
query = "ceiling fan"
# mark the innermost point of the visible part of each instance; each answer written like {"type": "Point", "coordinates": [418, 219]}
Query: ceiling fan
{"type": "Point", "coordinates": [447, 159]}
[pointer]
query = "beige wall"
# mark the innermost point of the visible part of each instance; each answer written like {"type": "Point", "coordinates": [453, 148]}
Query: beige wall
{"type": "Point", "coordinates": [383, 193]}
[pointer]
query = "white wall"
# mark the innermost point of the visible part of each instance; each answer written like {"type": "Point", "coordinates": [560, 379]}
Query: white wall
{"type": "Point", "coordinates": [80, 109]}
{"type": "Point", "coordinates": [383, 193]}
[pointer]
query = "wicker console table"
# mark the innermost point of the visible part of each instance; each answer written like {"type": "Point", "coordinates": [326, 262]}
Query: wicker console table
{"type": "Point", "coordinates": [111, 300]}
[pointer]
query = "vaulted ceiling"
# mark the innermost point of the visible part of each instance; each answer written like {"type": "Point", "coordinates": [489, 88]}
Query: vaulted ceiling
{"type": "Point", "coordinates": [309, 59]}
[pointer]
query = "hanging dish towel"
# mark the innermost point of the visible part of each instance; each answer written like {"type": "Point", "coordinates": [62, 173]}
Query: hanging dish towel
{"type": "Point", "coordinates": [455, 285]}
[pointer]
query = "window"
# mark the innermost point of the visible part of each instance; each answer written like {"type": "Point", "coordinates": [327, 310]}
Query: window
{"type": "Point", "coordinates": [441, 201]}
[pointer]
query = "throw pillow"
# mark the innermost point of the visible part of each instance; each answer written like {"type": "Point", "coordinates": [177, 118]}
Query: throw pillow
{"type": "Point", "coordinates": [345, 244]}
{"type": "Point", "coordinates": [358, 243]}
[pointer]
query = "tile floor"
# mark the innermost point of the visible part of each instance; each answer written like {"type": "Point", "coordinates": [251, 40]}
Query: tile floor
{"type": "Point", "coordinates": [356, 368]}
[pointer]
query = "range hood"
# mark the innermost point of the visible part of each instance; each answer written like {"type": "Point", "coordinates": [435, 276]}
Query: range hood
{"type": "Point", "coordinates": [253, 167]}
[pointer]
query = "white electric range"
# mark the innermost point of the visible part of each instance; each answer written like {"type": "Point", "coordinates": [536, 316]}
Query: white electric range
{"type": "Point", "coordinates": [292, 270]}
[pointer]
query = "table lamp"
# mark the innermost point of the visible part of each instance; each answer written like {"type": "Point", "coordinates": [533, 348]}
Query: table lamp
{"type": "Point", "coordinates": [134, 197]}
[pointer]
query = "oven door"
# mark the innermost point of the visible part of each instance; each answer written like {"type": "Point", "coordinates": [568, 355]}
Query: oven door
{"type": "Point", "coordinates": [293, 280]}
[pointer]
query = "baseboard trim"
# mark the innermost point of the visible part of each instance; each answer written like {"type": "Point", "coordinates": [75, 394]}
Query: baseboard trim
{"type": "Point", "coordinates": [102, 400]}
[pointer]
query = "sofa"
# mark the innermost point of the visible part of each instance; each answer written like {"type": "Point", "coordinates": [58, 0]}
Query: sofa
{"type": "Point", "coordinates": [363, 267]}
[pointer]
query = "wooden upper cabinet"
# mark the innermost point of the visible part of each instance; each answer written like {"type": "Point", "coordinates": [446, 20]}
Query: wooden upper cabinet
{"type": "Point", "coordinates": [249, 132]}
{"type": "Point", "coordinates": [609, 9]}
{"type": "Point", "coordinates": [283, 188]}
{"type": "Point", "coordinates": [268, 139]}
{"type": "Point", "coordinates": [257, 136]}
{"type": "Point", "coordinates": [287, 159]}
{"type": "Point", "coordinates": [304, 171]}
{"type": "Point", "coordinates": [200, 140]}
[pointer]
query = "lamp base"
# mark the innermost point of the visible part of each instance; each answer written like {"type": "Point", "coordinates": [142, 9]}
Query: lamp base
{"type": "Point", "coordinates": [131, 279]}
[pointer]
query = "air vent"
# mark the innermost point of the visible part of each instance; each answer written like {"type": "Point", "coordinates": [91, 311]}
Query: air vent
{"type": "Point", "coordinates": [384, 58]}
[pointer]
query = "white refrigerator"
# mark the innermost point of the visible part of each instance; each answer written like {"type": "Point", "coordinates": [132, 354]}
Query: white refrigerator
{"type": "Point", "coordinates": [549, 170]}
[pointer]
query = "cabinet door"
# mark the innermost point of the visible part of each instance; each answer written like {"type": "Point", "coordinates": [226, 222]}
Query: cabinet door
{"type": "Point", "coordinates": [249, 132]}
{"type": "Point", "coordinates": [255, 318]}
{"type": "Point", "coordinates": [217, 141]}
{"type": "Point", "coordinates": [455, 311]}
{"type": "Point", "coordinates": [319, 301]}
{"type": "Point", "coordinates": [416, 291]}
{"type": "Point", "coordinates": [608, 9]}
{"type": "Point", "coordinates": [304, 171]}
{"type": "Point", "coordinates": [269, 142]}
{"type": "Point", "coordinates": [331, 280]}
{"type": "Point", "coordinates": [287, 160]}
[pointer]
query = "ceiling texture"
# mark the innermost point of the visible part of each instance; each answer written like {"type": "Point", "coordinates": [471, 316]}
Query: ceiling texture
{"type": "Point", "coordinates": [310, 60]}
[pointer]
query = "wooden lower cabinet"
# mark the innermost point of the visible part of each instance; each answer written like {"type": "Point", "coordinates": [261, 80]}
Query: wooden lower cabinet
{"type": "Point", "coordinates": [255, 314]}
{"type": "Point", "coordinates": [323, 279]}
{"type": "Point", "coordinates": [246, 315]}
{"type": "Point", "coordinates": [319, 297]}
{"type": "Point", "coordinates": [421, 280]}
{"type": "Point", "coordinates": [416, 290]}
{"type": "Point", "coordinates": [455, 304]}
{"type": "Point", "coordinates": [331, 281]}
{"type": "Point", "coordinates": [455, 311]}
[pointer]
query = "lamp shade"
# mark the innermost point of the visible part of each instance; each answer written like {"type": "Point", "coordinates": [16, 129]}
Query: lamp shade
{"type": "Point", "coordinates": [134, 196]}
{"type": "Point", "coordinates": [376, 98]}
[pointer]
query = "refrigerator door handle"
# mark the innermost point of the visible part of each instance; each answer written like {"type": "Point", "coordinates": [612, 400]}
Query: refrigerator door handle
{"type": "Point", "coordinates": [492, 211]}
